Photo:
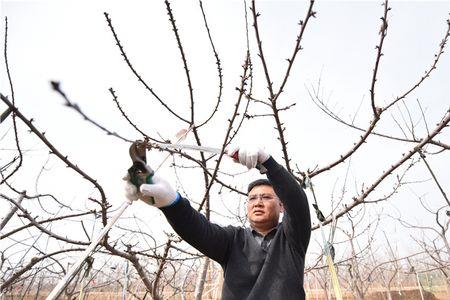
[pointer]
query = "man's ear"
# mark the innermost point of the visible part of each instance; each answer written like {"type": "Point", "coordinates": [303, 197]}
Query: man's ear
{"type": "Point", "coordinates": [281, 206]}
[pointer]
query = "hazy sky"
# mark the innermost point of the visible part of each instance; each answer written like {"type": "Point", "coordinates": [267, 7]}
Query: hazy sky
{"type": "Point", "coordinates": [69, 41]}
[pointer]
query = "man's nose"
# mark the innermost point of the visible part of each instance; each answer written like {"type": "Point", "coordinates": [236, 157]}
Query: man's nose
{"type": "Point", "coordinates": [259, 202]}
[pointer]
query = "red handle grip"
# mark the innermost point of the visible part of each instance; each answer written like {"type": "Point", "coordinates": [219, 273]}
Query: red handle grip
{"type": "Point", "coordinates": [235, 155]}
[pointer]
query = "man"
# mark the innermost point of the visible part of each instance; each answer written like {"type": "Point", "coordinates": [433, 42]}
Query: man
{"type": "Point", "coordinates": [265, 261]}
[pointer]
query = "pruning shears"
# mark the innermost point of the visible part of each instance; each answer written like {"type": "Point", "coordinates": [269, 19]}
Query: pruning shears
{"type": "Point", "coordinates": [203, 149]}
{"type": "Point", "coordinates": [140, 172]}
{"type": "Point", "coordinates": [139, 150]}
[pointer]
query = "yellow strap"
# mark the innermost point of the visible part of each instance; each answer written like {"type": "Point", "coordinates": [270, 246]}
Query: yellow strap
{"type": "Point", "coordinates": [334, 279]}
{"type": "Point", "coordinates": [81, 296]}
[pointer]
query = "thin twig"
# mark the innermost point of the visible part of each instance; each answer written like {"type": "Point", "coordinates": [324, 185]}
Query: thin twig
{"type": "Point", "coordinates": [183, 58]}
{"type": "Point", "coordinates": [125, 57]}
{"type": "Point", "coordinates": [113, 93]}
{"type": "Point", "coordinates": [219, 69]}
{"type": "Point", "coordinates": [16, 136]}
{"type": "Point", "coordinates": [57, 88]}
{"type": "Point", "coordinates": [383, 30]}
{"type": "Point", "coordinates": [434, 177]}
{"type": "Point", "coordinates": [45, 221]}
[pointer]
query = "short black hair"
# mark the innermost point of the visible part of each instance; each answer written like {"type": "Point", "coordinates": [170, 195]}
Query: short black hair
{"type": "Point", "coordinates": [258, 182]}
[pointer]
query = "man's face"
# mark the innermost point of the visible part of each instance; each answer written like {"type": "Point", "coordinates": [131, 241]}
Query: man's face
{"type": "Point", "coordinates": [263, 207]}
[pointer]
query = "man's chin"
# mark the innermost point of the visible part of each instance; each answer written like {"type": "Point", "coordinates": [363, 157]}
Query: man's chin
{"type": "Point", "coordinates": [258, 220]}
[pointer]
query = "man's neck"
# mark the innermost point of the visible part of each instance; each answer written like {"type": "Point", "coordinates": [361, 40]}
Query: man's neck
{"type": "Point", "coordinates": [263, 231]}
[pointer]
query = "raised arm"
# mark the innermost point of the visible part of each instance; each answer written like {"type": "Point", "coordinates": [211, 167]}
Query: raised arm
{"type": "Point", "coordinates": [210, 239]}
{"type": "Point", "coordinates": [297, 219]}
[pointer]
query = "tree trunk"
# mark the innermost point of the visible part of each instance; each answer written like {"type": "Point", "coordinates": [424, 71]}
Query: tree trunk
{"type": "Point", "coordinates": [199, 286]}
{"type": "Point", "coordinates": [11, 212]}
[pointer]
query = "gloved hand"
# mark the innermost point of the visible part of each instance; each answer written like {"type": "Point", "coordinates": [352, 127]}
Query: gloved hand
{"type": "Point", "coordinates": [249, 156]}
{"type": "Point", "coordinates": [161, 191]}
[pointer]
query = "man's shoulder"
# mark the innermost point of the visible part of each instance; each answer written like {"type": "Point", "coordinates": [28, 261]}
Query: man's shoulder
{"type": "Point", "coordinates": [232, 228]}
{"type": "Point", "coordinates": [238, 233]}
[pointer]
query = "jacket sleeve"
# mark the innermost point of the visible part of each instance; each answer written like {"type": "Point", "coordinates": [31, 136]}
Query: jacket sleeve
{"type": "Point", "coordinates": [297, 219]}
{"type": "Point", "coordinates": [210, 239]}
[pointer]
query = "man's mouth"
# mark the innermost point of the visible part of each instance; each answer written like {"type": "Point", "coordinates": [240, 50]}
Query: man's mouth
{"type": "Point", "coordinates": [258, 212]}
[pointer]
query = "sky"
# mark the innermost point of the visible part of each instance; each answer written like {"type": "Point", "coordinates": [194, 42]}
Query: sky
{"type": "Point", "coordinates": [70, 42]}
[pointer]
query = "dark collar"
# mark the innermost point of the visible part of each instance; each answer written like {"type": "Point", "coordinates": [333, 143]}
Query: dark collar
{"type": "Point", "coordinates": [271, 232]}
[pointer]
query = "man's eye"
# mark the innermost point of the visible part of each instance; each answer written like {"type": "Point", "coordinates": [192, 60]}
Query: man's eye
{"type": "Point", "coordinates": [252, 198]}
{"type": "Point", "coordinates": [267, 198]}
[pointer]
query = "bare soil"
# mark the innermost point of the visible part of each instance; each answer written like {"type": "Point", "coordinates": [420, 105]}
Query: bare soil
{"type": "Point", "coordinates": [405, 295]}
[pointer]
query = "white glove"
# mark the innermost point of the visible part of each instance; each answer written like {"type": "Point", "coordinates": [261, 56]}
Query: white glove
{"type": "Point", "coordinates": [161, 191]}
{"type": "Point", "coordinates": [130, 190]}
{"type": "Point", "coordinates": [249, 156]}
